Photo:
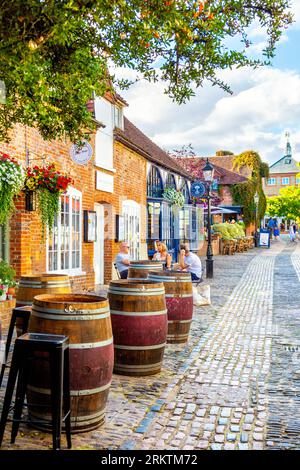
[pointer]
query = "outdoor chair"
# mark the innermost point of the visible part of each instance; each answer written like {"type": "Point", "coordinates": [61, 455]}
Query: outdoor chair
{"type": "Point", "coordinates": [117, 271]}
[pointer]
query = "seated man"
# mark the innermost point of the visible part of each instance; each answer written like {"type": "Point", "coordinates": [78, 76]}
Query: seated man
{"type": "Point", "coordinates": [123, 260]}
{"type": "Point", "coordinates": [190, 262]}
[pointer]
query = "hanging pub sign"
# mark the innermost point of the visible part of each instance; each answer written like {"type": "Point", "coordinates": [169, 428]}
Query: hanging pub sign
{"type": "Point", "coordinates": [81, 154]}
{"type": "Point", "coordinates": [215, 185]}
{"type": "Point", "coordinates": [198, 189]}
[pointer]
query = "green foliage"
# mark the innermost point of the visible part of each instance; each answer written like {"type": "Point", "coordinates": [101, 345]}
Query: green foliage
{"type": "Point", "coordinates": [243, 193]}
{"type": "Point", "coordinates": [7, 273]}
{"type": "Point", "coordinates": [11, 182]}
{"type": "Point", "coordinates": [229, 231]}
{"type": "Point", "coordinates": [174, 197]}
{"type": "Point", "coordinates": [287, 204]}
{"type": "Point", "coordinates": [54, 53]}
{"type": "Point", "coordinates": [48, 207]}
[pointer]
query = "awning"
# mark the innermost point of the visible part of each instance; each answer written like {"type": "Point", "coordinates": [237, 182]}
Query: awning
{"type": "Point", "coordinates": [220, 210]}
{"type": "Point", "coordinates": [234, 209]}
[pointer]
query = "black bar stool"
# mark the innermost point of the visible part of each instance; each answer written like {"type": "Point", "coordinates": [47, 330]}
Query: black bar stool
{"type": "Point", "coordinates": [25, 350]}
{"type": "Point", "coordinates": [18, 313]}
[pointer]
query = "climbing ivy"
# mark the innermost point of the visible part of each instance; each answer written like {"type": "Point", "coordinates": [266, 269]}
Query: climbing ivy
{"type": "Point", "coordinates": [243, 193]}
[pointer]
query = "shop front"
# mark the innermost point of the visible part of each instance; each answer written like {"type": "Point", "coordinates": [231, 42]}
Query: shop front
{"type": "Point", "coordinates": [169, 223]}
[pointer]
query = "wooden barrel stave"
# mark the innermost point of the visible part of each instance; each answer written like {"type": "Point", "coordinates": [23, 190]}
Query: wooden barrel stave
{"type": "Point", "coordinates": [179, 301]}
{"type": "Point", "coordinates": [140, 269]}
{"type": "Point", "coordinates": [91, 356]}
{"type": "Point", "coordinates": [139, 326]}
{"type": "Point", "coordinates": [38, 284]}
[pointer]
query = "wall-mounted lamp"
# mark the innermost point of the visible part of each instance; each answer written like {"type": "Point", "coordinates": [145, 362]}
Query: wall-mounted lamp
{"type": "Point", "coordinates": [30, 201]}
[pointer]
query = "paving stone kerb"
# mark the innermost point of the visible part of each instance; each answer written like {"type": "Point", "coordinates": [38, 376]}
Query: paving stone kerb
{"type": "Point", "coordinates": [213, 392]}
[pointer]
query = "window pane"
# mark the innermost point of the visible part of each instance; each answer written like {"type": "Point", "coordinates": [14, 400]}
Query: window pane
{"type": "Point", "coordinates": [67, 225]}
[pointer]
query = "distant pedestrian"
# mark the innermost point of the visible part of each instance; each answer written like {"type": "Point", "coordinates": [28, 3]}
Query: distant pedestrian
{"type": "Point", "coordinates": [271, 226]}
{"type": "Point", "coordinates": [292, 233]}
{"type": "Point", "coordinates": [276, 233]}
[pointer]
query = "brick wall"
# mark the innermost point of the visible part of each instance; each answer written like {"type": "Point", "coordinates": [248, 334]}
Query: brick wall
{"type": "Point", "coordinates": [27, 246]}
{"type": "Point", "coordinates": [225, 196]}
{"type": "Point", "coordinates": [129, 184]}
{"type": "Point", "coordinates": [274, 189]}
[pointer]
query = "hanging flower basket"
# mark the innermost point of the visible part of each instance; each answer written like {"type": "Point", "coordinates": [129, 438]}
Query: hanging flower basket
{"type": "Point", "coordinates": [11, 181]}
{"type": "Point", "coordinates": [49, 184]}
{"type": "Point", "coordinates": [174, 197]}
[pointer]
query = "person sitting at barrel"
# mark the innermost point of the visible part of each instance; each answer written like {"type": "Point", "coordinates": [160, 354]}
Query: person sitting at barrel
{"type": "Point", "coordinates": [123, 260]}
{"type": "Point", "coordinates": [190, 262]}
{"type": "Point", "coordinates": [162, 254]}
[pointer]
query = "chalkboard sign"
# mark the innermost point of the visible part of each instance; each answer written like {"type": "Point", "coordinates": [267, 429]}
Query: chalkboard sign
{"type": "Point", "coordinates": [264, 238]}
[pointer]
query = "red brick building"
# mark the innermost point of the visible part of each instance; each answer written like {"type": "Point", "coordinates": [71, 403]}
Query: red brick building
{"type": "Point", "coordinates": [115, 183]}
{"type": "Point", "coordinates": [23, 244]}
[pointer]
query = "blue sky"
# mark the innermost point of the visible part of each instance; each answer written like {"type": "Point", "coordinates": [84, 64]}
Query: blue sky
{"type": "Point", "coordinates": [288, 55]}
{"type": "Point", "coordinates": [265, 104]}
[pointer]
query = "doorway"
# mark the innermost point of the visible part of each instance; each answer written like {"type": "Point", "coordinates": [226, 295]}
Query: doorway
{"type": "Point", "coordinates": [99, 246]}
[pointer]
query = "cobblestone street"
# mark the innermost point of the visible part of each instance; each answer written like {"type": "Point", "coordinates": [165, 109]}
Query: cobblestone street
{"type": "Point", "coordinates": [235, 385]}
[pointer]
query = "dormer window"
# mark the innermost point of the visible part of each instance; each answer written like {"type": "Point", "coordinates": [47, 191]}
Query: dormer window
{"type": "Point", "coordinates": [288, 161]}
{"type": "Point", "coordinates": [119, 120]}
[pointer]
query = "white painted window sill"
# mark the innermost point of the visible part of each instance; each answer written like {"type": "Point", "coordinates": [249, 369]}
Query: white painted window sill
{"type": "Point", "coordinates": [69, 272]}
{"type": "Point", "coordinates": [102, 167]}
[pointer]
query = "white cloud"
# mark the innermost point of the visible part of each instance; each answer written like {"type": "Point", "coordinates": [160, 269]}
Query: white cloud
{"type": "Point", "coordinates": [265, 104]}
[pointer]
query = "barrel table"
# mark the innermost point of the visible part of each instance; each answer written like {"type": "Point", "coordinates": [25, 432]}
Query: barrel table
{"type": "Point", "coordinates": [38, 284]}
{"type": "Point", "coordinates": [139, 322]}
{"type": "Point", "coordinates": [85, 319]}
{"type": "Point", "coordinates": [179, 300]}
{"type": "Point", "coordinates": [140, 269]}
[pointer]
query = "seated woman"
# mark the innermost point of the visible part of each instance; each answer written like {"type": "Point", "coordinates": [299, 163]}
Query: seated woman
{"type": "Point", "coordinates": [162, 254]}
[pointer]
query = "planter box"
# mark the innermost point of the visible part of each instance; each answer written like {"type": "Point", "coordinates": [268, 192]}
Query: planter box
{"type": "Point", "coordinates": [6, 307]}
{"type": "Point", "coordinates": [215, 246]}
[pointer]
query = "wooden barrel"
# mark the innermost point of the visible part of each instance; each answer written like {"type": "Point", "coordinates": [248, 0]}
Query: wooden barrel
{"type": "Point", "coordinates": [179, 300]}
{"type": "Point", "coordinates": [139, 322]}
{"type": "Point", "coordinates": [140, 269]}
{"type": "Point", "coordinates": [85, 319]}
{"type": "Point", "coordinates": [38, 284]}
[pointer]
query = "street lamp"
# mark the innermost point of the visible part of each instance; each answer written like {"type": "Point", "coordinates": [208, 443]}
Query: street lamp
{"type": "Point", "coordinates": [256, 201]}
{"type": "Point", "coordinates": [208, 174]}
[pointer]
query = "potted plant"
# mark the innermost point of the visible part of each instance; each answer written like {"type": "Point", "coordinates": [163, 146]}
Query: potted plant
{"type": "Point", "coordinates": [2, 294]}
{"type": "Point", "coordinates": [11, 292]}
{"type": "Point", "coordinates": [7, 274]}
{"type": "Point", "coordinates": [49, 184]}
{"type": "Point", "coordinates": [11, 182]}
{"type": "Point", "coordinates": [174, 197]}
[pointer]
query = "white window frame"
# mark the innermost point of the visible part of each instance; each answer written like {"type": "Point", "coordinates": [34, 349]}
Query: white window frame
{"type": "Point", "coordinates": [285, 181]}
{"type": "Point", "coordinates": [271, 181]}
{"type": "Point", "coordinates": [118, 117]}
{"type": "Point", "coordinates": [133, 209]}
{"type": "Point", "coordinates": [72, 192]}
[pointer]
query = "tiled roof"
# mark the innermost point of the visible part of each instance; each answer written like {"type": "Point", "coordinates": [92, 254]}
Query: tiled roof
{"type": "Point", "coordinates": [282, 167]}
{"type": "Point", "coordinates": [226, 161]}
{"type": "Point", "coordinates": [225, 176]}
{"type": "Point", "coordinates": [135, 139]}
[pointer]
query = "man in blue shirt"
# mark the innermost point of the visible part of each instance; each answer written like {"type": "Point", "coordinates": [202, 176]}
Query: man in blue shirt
{"type": "Point", "coordinates": [123, 260]}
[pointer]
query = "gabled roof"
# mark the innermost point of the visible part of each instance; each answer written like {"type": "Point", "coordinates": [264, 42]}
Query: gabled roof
{"type": "Point", "coordinates": [227, 162]}
{"type": "Point", "coordinates": [282, 166]}
{"type": "Point", "coordinates": [136, 140]}
{"type": "Point", "coordinates": [224, 176]}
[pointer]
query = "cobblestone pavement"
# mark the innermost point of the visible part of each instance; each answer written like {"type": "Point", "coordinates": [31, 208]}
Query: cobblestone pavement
{"type": "Point", "coordinates": [234, 385]}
